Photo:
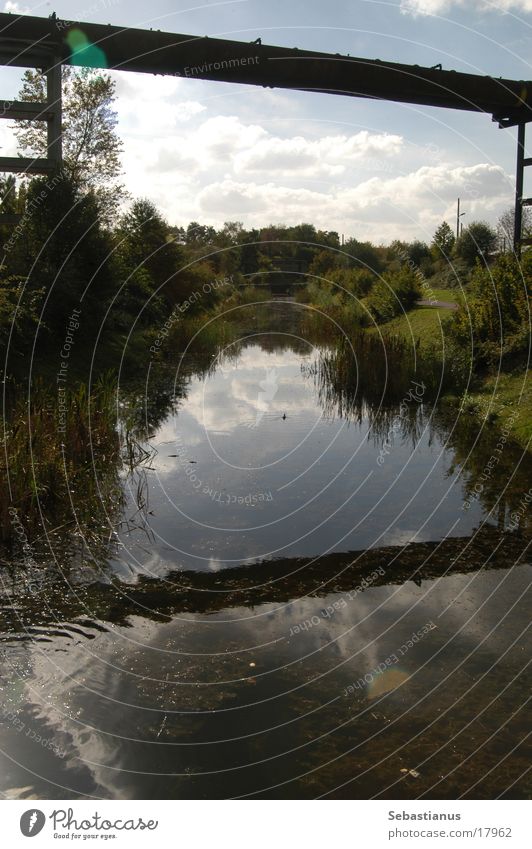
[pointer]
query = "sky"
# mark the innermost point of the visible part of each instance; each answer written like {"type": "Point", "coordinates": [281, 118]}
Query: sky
{"type": "Point", "coordinates": [214, 152]}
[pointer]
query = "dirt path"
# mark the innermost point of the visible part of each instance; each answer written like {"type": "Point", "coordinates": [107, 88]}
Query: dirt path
{"type": "Point", "coordinates": [446, 305]}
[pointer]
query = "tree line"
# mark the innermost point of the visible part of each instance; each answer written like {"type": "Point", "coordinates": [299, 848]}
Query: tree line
{"type": "Point", "coordinates": [74, 247]}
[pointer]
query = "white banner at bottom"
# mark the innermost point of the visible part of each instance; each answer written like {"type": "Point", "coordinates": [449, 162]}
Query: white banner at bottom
{"type": "Point", "coordinates": [264, 824]}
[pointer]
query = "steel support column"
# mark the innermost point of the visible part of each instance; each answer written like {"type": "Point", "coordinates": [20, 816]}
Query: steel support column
{"type": "Point", "coordinates": [519, 183]}
{"type": "Point", "coordinates": [51, 112]}
{"type": "Point", "coordinates": [54, 100]}
{"type": "Point", "coordinates": [520, 202]}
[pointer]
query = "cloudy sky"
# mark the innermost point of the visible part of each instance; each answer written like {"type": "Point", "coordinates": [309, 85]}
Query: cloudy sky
{"type": "Point", "coordinates": [214, 152]}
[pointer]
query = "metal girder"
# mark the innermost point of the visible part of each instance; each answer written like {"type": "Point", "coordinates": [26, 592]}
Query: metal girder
{"type": "Point", "coordinates": [193, 57]}
{"type": "Point", "coordinates": [21, 53]}
{"type": "Point", "coordinates": [21, 110]}
{"type": "Point", "coordinates": [24, 165]}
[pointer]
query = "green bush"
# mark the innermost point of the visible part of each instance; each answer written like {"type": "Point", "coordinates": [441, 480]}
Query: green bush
{"type": "Point", "coordinates": [393, 294]}
{"type": "Point", "coordinates": [494, 320]}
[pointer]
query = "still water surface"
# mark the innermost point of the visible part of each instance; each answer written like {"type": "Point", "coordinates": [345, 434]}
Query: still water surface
{"type": "Point", "coordinates": [301, 607]}
{"type": "Point", "coordinates": [250, 467]}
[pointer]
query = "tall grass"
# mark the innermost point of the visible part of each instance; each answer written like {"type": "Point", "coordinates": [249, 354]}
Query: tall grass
{"type": "Point", "coordinates": [53, 468]}
{"type": "Point", "coordinates": [368, 371]}
{"type": "Point", "coordinates": [198, 334]}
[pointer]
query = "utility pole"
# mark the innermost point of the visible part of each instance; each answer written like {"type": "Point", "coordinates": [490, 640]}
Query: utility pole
{"type": "Point", "coordinates": [458, 217]}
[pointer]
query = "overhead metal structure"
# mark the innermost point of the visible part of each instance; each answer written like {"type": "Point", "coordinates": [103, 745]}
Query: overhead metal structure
{"type": "Point", "coordinates": [48, 43]}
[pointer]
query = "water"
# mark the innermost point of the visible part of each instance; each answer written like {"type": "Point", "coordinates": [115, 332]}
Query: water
{"type": "Point", "coordinates": [250, 468]}
{"type": "Point", "coordinates": [300, 604]}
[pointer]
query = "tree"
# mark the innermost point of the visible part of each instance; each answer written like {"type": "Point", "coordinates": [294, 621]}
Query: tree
{"type": "Point", "coordinates": [323, 262]}
{"type": "Point", "coordinates": [443, 242]}
{"type": "Point", "coordinates": [393, 294]}
{"type": "Point", "coordinates": [19, 317]}
{"type": "Point", "coordinates": [304, 238]}
{"type": "Point", "coordinates": [70, 258]}
{"type": "Point", "coordinates": [505, 227]}
{"type": "Point", "coordinates": [200, 235]}
{"type": "Point", "coordinates": [147, 243]}
{"type": "Point", "coordinates": [8, 194]}
{"type": "Point", "coordinates": [226, 258]}
{"type": "Point", "coordinates": [363, 255]}
{"type": "Point", "coordinates": [231, 233]}
{"type": "Point", "coordinates": [477, 240]}
{"type": "Point", "coordinates": [418, 252]}
{"type": "Point", "coordinates": [91, 146]}
{"type": "Point", "coordinates": [328, 238]}
{"type": "Point", "coordinates": [249, 252]}
{"type": "Point", "coordinates": [12, 201]}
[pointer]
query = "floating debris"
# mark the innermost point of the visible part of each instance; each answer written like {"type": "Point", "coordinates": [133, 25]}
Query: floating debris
{"type": "Point", "coordinates": [411, 772]}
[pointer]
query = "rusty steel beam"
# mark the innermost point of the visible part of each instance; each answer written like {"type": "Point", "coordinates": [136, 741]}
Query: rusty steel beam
{"type": "Point", "coordinates": [24, 110]}
{"type": "Point", "coordinates": [24, 40]}
{"type": "Point", "coordinates": [25, 165]}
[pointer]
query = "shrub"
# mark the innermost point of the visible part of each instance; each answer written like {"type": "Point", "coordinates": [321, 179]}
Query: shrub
{"type": "Point", "coordinates": [495, 318]}
{"type": "Point", "coordinates": [393, 294]}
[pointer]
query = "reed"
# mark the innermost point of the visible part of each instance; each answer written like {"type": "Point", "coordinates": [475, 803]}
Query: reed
{"type": "Point", "coordinates": [368, 372]}
{"type": "Point", "coordinates": [60, 454]}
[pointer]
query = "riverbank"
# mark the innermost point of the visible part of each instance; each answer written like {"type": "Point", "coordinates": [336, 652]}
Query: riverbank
{"type": "Point", "coordinates": [495, 398]}
{"type": "Point", "coordinates": [499, 398]}
{"type": "Point", "coordinates": [423, 323]}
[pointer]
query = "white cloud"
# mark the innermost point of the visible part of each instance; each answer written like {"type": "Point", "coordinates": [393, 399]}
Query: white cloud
{"type": "Point", "coordinates": [213, 175]}
{"type": "Point", "coordinates": [219, 138]}
{"type": "Point", "coordinates": [328, 155]}
{"type": "Point", "coordinates": [188, 108]}
{"type": "Point", "coordinates": [8, 142]}
{"type": "Point", "coordinates": [415, 203]}
{"type": "Point", "coordinates": [263, 202]}
{"type": "Point", "coordinates": [379, 209]}
{"type": "Point", "coordinates": [235, 391]}
{"type": "Point", "coordinates": [478, 185]}
{"type": "Point", "coordinates": [438, 7]}
{"type": "Point", "coordinates": [151, 106]}
{"type": "Point", "coordinates": [224, 141]}
{"type": "Point", "coordinates": [144, 87]}
{"type": "Point", "coordinates": [16, 8]}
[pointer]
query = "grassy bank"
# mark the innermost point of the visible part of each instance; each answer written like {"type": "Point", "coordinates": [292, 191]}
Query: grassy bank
{"type": "Point", "coordinates": [498, 398]}
{"type": "Point", "coordinates": [426, 324]}
{"type": "Point", "coordinates": [449, 296]}
{"type": "Point", "coordinates": [498, 297]}
{"type": "Point", "coordinates": [495, 397]}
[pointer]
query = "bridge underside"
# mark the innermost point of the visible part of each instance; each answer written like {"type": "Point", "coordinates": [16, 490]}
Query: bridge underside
{"type": "Point", "coordinates": [48, 43]}
{"type": "Point", "coordinates": [28, 41]}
